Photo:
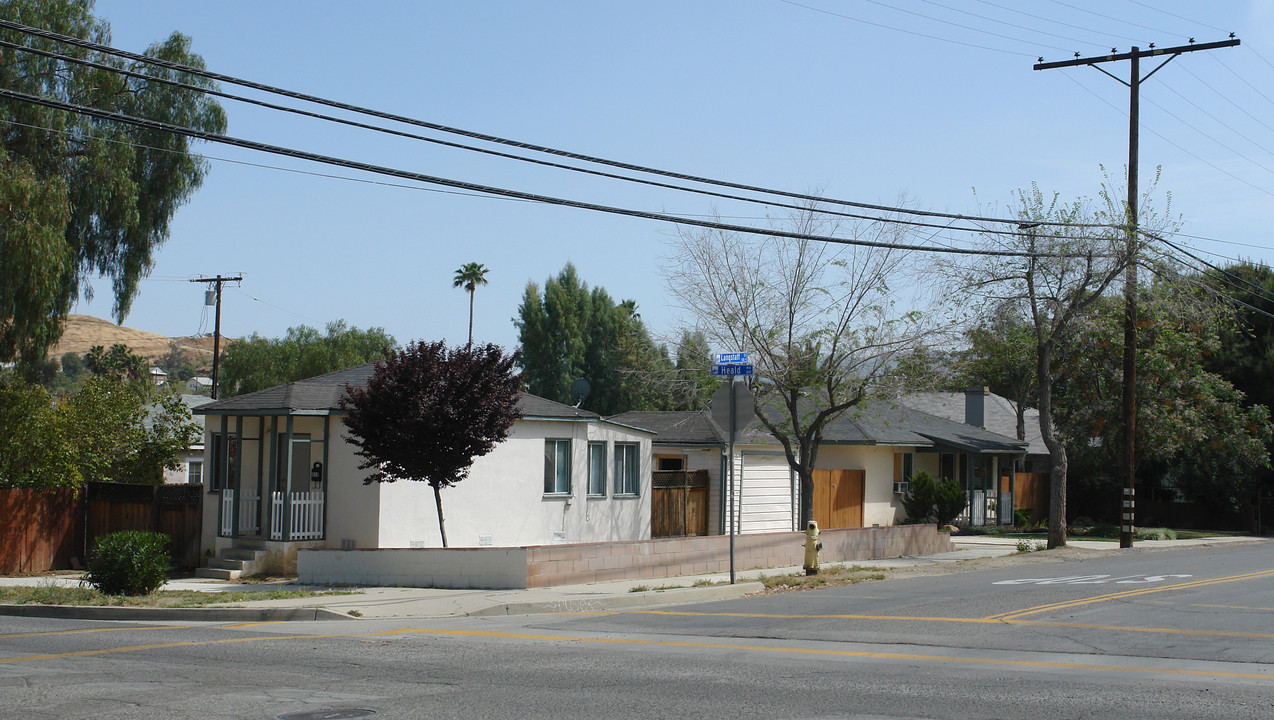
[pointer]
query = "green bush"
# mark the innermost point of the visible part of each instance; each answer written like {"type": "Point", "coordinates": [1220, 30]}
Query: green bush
{"type": "Point", "coordinates": [130, 562]}
{"type": "Point", "coordinates": [1156, 534]}
{"type": "Point", "coordinates": [919, 500]}
{"type": "Point", "coordinates": [949, 501]}
{"type": "Point", "coordinates": [1022, 517]}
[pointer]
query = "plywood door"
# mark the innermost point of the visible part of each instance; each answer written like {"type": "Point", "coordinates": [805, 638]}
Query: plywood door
{"type": "Point", "coordinates": [838, 498]}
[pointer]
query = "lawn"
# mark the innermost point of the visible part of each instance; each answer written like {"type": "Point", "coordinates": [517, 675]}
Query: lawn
{"type": "Point", "coordinates": [57, 595]}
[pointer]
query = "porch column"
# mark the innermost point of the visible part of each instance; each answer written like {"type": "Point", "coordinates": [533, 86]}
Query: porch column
{"type": "Point", "coordinates": [272, 480]}
{"type": "Point", "coordinates": [238, 478]}
{"type": "Point", "coordinates": [286, 482]}
{"type": "Point", "coordinates": [221, 478]}
{"type": "Point", "coordinates": [327, 431]}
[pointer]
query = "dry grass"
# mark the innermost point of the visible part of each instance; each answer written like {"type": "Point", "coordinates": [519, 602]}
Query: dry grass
{"type": "Point", "coordinates": [84, 596]}
{"type": "Point", "coordinates": [828, 576]}
{"type": "Point", "coordinates": [85, 331]}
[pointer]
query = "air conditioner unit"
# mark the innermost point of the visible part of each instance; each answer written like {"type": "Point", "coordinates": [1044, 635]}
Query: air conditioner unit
{"type": "Point", "coordinates": [902, 488]}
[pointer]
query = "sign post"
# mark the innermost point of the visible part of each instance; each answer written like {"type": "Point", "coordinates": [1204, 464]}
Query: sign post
{"type": "Point", "coordinates": [732, 407]}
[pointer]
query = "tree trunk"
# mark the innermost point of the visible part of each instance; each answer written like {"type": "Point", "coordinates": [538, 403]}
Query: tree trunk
{"type": "Point", "coordinates": [806, 476]}
{"type": "Point", "coordinates": [1056, 451]}
{"type": "Point", "coordinates": [471, 293]}
{"type": "Point", "coordinates": [442, 528]}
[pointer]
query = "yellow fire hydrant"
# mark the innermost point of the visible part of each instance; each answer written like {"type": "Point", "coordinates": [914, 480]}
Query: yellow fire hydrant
{"type": "Point", "coordinates": [812, 546]}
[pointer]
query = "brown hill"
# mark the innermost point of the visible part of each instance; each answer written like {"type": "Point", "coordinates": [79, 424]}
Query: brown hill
{"type": "Point", "coordinates": [85, 331]}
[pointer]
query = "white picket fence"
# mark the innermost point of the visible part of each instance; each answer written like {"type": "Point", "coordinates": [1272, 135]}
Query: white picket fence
{"type": "Point", "coordinates": [249, 511]}
{"type": "Point", "coordinates": [306, 517]}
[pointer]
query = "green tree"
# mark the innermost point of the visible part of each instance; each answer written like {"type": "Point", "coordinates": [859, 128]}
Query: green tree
{"type": "Point", "coordinates": [257, 363]}
{"type": "Point", "coordinates": [119, 363]}
{"type": "Point", "coordinates": [1001, 356]}
{"type": "Point", "coordinates": [469, 277]}
{"type": "Point", "coordinates": [80, 196]}
{"type": "Point", "coordinates": [428, 411]}
{"type": "Point", "coordinates": [34, 450]}
{"type": "Point", "coordinates": [569, 332]}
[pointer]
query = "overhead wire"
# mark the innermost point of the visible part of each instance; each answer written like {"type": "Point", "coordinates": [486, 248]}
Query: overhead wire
{"type": "Point", "coordinates": [1225, 97]}
{"type": "Point", "coordinates": [1057, 22]}
{"type": "Point", "coordinates": [1242, 79]}
{"type": "Point", "coordinates": [962, 26]}
{"type": "Point", "coordinates": [1110, 17]}
{"type": "Point", "coordinates": [1181, 120]}
{"type": "Point", "coordinates": [904, 31]}
{"type": "Point", "coordinates": [1210, 164]}
{"type": "Point", "coordinates": [1179, 17]}
{"type": "Point", "coordinates": [450, 144]}
{"type": "Point", "coordinates": [200, 72]}
{"type": "Point", "coordinates": [1237, 281]}
{"type": "Point", "coordinates": [475, 187]}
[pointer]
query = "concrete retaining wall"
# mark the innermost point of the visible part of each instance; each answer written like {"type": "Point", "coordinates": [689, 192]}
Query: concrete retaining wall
{"type": "Point", "coordinates": [487, 568]}
{"type": "Point", "coordinates": [548, 565]}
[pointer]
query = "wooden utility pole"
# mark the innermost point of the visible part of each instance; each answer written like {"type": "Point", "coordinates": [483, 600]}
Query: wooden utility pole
{"type": "Point", "coordinates": [216, 334]}
{"type": "Point", "coordinates": [1129, 406]}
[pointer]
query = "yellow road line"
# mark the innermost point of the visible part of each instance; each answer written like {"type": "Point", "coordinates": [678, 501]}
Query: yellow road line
{"type": "Point", "coordinates": [251, 624]}
{"type": "Point", "coordinates": [1014, 614]}
{"type": "Point", "coordinates": [912, 657]}
{"type": "Point", "coordinates": [92, 630]}
{"type": "Point", "coordinates": [959, 620]}
{"type": "Point", "coordinates": [1233, 607]}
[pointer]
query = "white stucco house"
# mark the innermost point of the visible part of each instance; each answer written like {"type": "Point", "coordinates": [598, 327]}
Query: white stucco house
{"type": "Point", "coordinates": [863, 464]}
{"type": "Point", "coordinates": [282, 475]}
{"type": "Point", "coordinates": [191, 460]}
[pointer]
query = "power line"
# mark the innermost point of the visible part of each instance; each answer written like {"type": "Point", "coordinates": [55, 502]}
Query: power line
{"type": "Point", "coordinates": [37, 32]}
{"type": "Point", "coordinates": [900, 30]}
{"type": "Point", "coordinates": [1179, 119]}
{"type": "Point", "coordinates": [1172, 14]}
{"type": "Point", "coordinates": [1244, 80]}
{"type": "Point", "coordinates": [1058, 22]}
{"type": "Point", "coordinates": [474, 187]}
{"type": "Point", "coordinates": [1109, 17]}
{"type": "Point", "coordinates": [958, 25]}
{"type": "Point", "coordinates": [447, 143]}
{"type": "Point", "coordinates": [1226, 98]}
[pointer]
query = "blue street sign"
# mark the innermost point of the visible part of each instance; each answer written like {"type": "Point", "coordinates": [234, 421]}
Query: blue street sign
{"type": "Point", "coordinates": [729, 370]}
{"type": "Point", "coordinates": [734, 358]}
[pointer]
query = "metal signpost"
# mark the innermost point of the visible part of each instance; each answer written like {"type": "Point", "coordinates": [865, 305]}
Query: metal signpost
{"type": "Point", "coordinates": [732, 406]}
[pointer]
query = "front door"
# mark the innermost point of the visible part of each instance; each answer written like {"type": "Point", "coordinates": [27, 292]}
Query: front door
{"type": "Point", "coordinates": [838, 498]}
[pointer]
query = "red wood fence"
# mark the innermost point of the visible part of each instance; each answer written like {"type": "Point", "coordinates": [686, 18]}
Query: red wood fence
{"type": "Point", "coordinates": [40, 531]}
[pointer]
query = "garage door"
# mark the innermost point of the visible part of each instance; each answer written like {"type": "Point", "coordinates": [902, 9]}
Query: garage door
{"type": "Point", "coordinates": [766, 496]}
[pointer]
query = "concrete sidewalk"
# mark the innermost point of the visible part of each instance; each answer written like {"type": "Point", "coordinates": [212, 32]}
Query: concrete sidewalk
{"type": "Point", "coordinates": [391, 603]}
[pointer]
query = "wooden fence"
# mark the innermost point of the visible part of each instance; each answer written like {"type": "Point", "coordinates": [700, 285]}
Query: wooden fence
{"type": "Point", "coordinates": [679, 503]}
{"type": "Point", "coordinates": [40, 531]}
{"type": "Point", "coordinates": [175, 510]}
{"type": "Point", "coordinates": [1032, 493]}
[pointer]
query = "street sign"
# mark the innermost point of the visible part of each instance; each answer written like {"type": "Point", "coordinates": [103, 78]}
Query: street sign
{"type": "Point", "coordinates": [731, 370]}
{"type": "Point", "coordinates": [735, 358]}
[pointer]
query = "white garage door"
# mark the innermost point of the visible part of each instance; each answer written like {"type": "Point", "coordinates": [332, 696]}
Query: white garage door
{"type": "Point", "coordinates": [766, 496]}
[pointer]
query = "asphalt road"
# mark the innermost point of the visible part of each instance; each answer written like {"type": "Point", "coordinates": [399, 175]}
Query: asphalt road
{"type": "Point", "coordinates": [1187, 633]}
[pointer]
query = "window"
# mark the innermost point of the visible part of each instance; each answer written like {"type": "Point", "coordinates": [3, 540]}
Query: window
{"type": "Point", "coordinates": [908, 466]}
{"type": "Point", "coordinates": [225, 449]}
{"type": "Point", "coordinates": [597, 469]}
{"type": "Point", "coordinates": [670, 462]}
{"type": "Point", "coordinates": [626, 469]}
{"type": "Point", "coordinates": [299, 479]}
{"type": "Point", "coordinates": [557, 467]}
{"type": "Point", "coordinates": [194, 472]}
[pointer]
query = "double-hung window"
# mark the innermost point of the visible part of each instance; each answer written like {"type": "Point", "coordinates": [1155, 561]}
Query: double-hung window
{"type": "Point", "coordinates": [557, 467]}
{"type": "Point", "coordinates": [627, 479]}
{"type": "Point", "coordinates": [194, 472]}
{"type": "Point", "coordinates": [597, 469]}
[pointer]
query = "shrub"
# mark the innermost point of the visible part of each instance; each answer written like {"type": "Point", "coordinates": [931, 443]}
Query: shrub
{"type": "Point", "coordinates": [1156, 534]}
{"type": "Point", "coordinates": [130, 562]}
{"type": "Point", "coordinates": [949, 501]}
{"type": "Point", "coordinates": [919, 500]}
{"type": "Point", "coordinates": [1022, 517]}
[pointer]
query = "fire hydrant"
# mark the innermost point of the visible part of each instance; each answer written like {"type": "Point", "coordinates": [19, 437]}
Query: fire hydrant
{"type": "Point", "coordinates": [812, 546]}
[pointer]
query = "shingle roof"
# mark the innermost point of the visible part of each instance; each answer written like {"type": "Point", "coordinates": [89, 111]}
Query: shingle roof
{"type": "Point", "coordinates": [998, 415]}
{"type": "Point", "coordinates": [322, 395]}
{"type": "Point", "coordinates": [675, 427]}
{"type": "Point", "coordinates": [878, 422]}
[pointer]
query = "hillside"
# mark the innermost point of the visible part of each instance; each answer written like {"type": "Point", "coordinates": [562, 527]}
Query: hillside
{"type": "Point", "coordinates": [85, 331]}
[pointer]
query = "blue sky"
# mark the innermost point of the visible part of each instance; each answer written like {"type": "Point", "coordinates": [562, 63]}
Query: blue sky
{"type": "Point", "coordinates": [866, 100]}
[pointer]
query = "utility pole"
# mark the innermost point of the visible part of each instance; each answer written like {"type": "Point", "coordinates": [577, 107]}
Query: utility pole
{"type": "Point", "coordinates": [216, 335]}
{"type": "Point", "coordinates": [1129, 405]}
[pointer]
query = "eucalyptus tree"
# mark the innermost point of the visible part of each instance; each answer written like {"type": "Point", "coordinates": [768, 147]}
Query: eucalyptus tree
{"type": "Point", "coordinates": [84, 196]}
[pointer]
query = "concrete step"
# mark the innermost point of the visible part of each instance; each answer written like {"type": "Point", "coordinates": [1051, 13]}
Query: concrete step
{"type": "Point", "coordinates": [225, 564]}
{"type": "Point", "coordinates": [249, 543]}
{"type": "Point", "coordinates": [218, 573]}
{"type": "Point", "coordinates": [241, 553]}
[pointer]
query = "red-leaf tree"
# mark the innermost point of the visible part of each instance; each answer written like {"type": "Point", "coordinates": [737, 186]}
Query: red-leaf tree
{"type": "Point", "coordinates": [428, 411]}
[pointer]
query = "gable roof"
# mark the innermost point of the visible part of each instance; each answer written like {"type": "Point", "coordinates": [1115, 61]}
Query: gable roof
{"type": "Point", "coordinates": [879, 422]}
{"type": "Point", "coordinates": [675, 427]}
{"type": "Point", "coordinates": [998, 414]}
{"type": "Point", "coordinates": [321, 395]}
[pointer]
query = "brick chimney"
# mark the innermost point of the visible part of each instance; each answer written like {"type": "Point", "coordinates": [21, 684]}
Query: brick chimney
{"type": "Point", "coordinates": [975, 406]}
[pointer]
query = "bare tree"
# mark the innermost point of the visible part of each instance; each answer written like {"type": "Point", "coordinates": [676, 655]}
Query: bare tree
{"type": "Point", "coordinates": [1071, 255]}
{"type": "Point", "coordinates": [817, 319]}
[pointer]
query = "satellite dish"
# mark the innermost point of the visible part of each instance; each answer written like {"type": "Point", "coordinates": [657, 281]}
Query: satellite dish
{"type": "Point", "coordinates": [579, 391]}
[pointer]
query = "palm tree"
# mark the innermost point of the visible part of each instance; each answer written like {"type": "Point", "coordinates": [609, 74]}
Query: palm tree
{"type": "Point", "coordinates": [470, 276]}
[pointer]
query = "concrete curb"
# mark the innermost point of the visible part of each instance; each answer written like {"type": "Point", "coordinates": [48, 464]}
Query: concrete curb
{"type": "Point", "coordinates": [160, 614]}
{"type": "Point", "coordinates": [604, 603]}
